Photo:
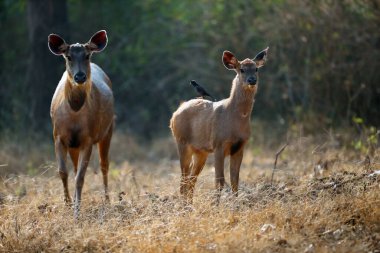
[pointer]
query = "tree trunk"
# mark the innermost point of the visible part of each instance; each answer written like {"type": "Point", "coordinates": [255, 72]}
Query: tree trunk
{"type": "Point", "coordinates": [44, 69]}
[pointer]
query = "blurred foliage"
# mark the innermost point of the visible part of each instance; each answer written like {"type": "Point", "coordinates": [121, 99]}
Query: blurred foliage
{"type": "Point", "coordinates": [366, 140]}
{"type": "Point", "coordinates": [323, 63]}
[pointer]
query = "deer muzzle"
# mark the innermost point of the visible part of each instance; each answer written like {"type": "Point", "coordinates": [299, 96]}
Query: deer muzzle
{"type": "Point", "coordinates": [80, 77]}
{"type": "Point", "coordinates": [252, 80]}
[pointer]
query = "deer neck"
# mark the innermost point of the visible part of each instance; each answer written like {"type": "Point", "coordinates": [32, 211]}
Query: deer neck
{"type": "Point", "coordinates": [77, 95]}
{"type": "Point", "coordinates": [242, 98]}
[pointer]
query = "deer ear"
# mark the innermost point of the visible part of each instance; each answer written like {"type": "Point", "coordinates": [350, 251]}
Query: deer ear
{"type": "Point", "coordinates": [261, 58]}
{"type": "Point", "coordinates": [229, 60]}
{"type": "Point", "coordinates": [98, 41]}
{"type": "Point", "coordinates": [56, 44]}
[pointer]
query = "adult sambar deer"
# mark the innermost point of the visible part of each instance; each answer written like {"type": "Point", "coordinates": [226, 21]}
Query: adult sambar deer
{"type": "Point", "coordinates": [81, 111]}
{"type": "Point", "coordinates": [201, 127]}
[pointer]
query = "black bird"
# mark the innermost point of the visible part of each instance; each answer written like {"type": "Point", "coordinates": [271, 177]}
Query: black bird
{"type": "Point", "coordinates": [201, 91]}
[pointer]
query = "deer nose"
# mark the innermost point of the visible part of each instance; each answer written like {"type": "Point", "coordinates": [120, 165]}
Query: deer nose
{"type": "Point", "coordinates": [252, 80]}
{"type": "Point", "coordinates": [80, 77]}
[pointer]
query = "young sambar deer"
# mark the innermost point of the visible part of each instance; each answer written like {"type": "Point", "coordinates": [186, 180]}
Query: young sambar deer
{"type": "Point", "coordinates": [81, 111]}
{"type": "Point", "coordinates": [201, 127]}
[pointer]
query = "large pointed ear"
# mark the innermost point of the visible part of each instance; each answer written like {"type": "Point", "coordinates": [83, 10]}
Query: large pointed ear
{"type": "Point", "coordinates": [98, 41]}
{"type": "Point", "coordinates": [261, 58]}
{"type": "Point", "coordinates": [229, 60]}
{"type": "Point", "coordinates": [56, 44]}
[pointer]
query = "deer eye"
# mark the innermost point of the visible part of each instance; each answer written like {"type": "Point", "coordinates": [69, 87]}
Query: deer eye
{"type": "Point", "coordinates": [87, 57]}
{"type": "Point", "coordinates": [242, 70]}
{"type": "Point", "coordinates": [257, 69]}
{"type": "Point", "coordinates": [68, 58]}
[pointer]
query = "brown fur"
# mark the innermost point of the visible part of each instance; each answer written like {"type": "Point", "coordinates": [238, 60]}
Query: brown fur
{"type": "Point", "coordinates": [82, 115]}
{"type": "Point", "coordinates": [201, 127]}
{"type": "Point", "coordinates": [91, 124]}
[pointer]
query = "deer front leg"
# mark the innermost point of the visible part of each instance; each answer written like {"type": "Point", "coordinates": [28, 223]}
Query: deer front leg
{"type": "Point", "coordinates": [219, 173]}
{"type": "Point", "coordinates": [61, 156]}
{"type": "Point", "coordinates": [84, 158]}
{"type": "Point", "coordinates": [235, 162]}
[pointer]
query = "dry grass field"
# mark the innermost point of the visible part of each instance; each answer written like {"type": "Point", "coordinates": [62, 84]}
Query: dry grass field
{"type": "Point", "coordinates": [324, 198]}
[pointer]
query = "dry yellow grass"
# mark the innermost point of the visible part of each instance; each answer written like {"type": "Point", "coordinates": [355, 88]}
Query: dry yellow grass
{"type": "Point", "coordinates": [337, 210]}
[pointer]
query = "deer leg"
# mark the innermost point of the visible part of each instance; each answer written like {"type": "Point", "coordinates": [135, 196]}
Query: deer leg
{"type": "Point", "coordinates": [74, 154]}
{"type": "Point", "coordinates": [84, 158]}
{"type": "Point", "coordinates": [103, 148]}
{"type": "Point", "coordinates": [219, 173]}
{"type": "Point", "coordinates": [61, 156]}
{"type": "Point", "coordinates": [235, 162]}
{"type": "Point", "coordinates": [185, 154]}
{"type": "Point", "coordinates": [199, 160]}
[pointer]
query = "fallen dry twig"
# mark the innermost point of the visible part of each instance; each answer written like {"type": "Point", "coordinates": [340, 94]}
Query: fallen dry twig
{"type": "Point", "coordinates": [275, 161]}
{"type": "Point", "coordinates": [340, 184]}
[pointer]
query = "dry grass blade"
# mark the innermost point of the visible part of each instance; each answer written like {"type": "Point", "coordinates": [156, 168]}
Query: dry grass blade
{"type": "Point", "coordinates": [337, 213]}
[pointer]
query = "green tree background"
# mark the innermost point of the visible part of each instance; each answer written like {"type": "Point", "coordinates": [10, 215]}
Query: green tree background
{"type": "Point", "coordinates": [322, 69]}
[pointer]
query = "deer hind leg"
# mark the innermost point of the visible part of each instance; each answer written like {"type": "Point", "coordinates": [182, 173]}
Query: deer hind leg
{"type": "Point", "coordinates": [185, 155]}
{"type": "Point", "coordinates": [199, 160]}
{"type": "Point", "coordinates": [61, 156]}
{"type": "Point", "coordinates": [74, 154]}
{"type": "Point", "coordinates": [103, 148]}
{"type": "Point", "coordinates": [84, 158]}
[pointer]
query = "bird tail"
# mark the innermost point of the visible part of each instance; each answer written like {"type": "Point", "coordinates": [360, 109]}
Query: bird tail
{"type": "Point", "coordinates": [197, 85]}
